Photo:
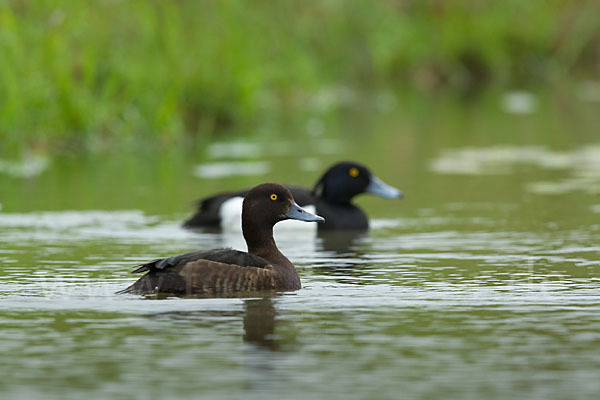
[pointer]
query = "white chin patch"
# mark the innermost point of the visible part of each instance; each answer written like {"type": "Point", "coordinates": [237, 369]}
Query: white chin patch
{"type": "Point", "coordinates": [231, 219]}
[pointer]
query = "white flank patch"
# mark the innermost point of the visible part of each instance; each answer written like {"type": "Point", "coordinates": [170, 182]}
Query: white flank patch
{"type": "Point", "coordinates": [231, 214]}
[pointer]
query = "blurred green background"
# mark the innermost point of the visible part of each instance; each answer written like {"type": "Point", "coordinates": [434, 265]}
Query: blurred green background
{"type": "Point", "coordinates": [81, 77]}
{"type": "Point", "coordinates": [115, 115]}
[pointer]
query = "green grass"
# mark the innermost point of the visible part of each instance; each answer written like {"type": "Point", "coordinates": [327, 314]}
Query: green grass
{"type": "Point", "coordinates": [79, 76]}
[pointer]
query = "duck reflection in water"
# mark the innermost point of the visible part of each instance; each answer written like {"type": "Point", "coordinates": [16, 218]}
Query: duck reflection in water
{"type": "Point", "coordinates": [258, 319]}
{"type": "Point", "coordinates": [259, 323]}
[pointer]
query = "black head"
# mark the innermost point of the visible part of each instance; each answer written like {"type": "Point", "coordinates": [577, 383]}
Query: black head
{"type": "Point", "coordinates": [270, 203]}
{"type": "Point", "coordinates": [345, 180]}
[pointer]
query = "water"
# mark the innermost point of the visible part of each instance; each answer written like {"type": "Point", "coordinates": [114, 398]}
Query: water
{"type": "Point", "coordinates": [482, 282]}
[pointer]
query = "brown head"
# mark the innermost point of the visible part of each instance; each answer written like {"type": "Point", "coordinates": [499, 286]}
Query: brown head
{"type": "Point", "coordinates": [263, 207]}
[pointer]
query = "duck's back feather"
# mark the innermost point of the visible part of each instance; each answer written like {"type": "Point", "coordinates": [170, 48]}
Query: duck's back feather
{"type": "Point", "coordinates": [225, 256]}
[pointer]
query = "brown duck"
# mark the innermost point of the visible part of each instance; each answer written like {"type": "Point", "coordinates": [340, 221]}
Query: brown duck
{"type": "Point", "coordinates": [227, 271]}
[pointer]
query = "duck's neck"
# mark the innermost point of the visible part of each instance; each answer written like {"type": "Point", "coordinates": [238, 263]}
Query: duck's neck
{"type": "Point", "coordinates": [259, 239]}
{"type": "Point", "coordinates": [261, 243]}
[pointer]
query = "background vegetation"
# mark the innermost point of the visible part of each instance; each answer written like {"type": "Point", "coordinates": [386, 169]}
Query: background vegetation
{"type": "Point", "coordinates": [79, 76]}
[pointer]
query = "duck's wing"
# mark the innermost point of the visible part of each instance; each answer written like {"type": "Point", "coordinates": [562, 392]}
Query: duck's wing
{"type": "Point", "coordinates": [207, 214]}
{"type": "Point", "coordinates": [216, 278]}
{"type": "Point", "coordinates": [204, 272]}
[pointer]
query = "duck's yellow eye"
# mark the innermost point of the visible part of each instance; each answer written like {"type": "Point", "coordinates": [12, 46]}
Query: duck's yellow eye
{"type": "Point", "coordinates": [353, 172]}
{"type": "Point", "coordinates": [273, 196]}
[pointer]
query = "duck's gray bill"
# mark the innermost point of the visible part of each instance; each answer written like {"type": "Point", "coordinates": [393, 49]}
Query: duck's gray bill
{"type": "Point", "coordinates": [299, 213]}
{"type": "Point", "coordinates": [382, 189]}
